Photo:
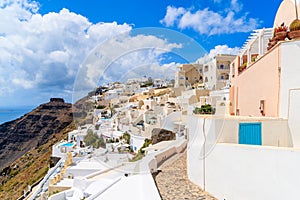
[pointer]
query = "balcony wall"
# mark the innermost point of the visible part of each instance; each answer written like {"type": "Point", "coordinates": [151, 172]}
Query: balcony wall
{"type": "Point", "coordinates": [260, 81]}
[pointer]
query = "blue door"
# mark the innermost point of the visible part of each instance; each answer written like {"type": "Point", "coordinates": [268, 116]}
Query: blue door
{"type": "Point", "coordinates": [250, 133]}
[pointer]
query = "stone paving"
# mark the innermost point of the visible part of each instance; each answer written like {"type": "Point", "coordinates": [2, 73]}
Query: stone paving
{"type": "Point", "coordinates": [173, 183]}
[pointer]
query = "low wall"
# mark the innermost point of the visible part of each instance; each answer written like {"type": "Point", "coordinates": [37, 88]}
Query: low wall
{"type": "Point", "coordinates": [58, 196]}
{"type": "Point", "coordinates": [151, 162]}
{"type": "Point", "coordinates": [221, 129]}
{"type": "Point", "coordinates": [162, 157]}
{"type": "Point", "coordinates": [57, 189]}
{"type": "Point", "coordinates": [48, 175]}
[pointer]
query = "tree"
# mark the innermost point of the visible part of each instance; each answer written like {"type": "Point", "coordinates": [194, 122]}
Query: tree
{"type": "Point", "coordinates": [112, 110]}
{"type": "Point", "coordinates": [92, 139]}
{"type": "Point", "coordinates": [126, 137]}
{"type": "Point", "coordinates": [147, 142]}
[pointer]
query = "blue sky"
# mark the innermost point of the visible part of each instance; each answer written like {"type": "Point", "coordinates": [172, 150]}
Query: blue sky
{"type": "Point", "coordinates": [44, 43]}
{"type": "Point", "coordinates": [150, 13]}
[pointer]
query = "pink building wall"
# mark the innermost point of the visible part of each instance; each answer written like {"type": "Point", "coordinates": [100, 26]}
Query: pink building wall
{"type": "Point", "coordinates": [260, 81]}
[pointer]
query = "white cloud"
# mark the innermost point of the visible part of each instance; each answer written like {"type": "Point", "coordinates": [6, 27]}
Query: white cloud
{"type": "Point", "coordinates": [219, 49]}
{"type": "Point", "coordinates": [124, 57]}
{"type": "Point", "coordinates": [41, 54]}
{"type": "Point", "coordinates": [236, 6]}
{"type": "Point", "coordinates": [224, 49]}
{"type": "Point", "coordinates": [209, 22]}
{"type": "Point", "coordinates": [172, 15]}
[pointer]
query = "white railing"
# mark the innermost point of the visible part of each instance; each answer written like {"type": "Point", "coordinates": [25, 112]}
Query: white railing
{"type": "Point", "coordinates": [41, 184]}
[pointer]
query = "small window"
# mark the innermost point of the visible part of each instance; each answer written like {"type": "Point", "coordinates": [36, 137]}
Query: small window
{"type": "Point", "coordinates": [205, 68]}
{"type": "Point", "coordinates": [262, 107]}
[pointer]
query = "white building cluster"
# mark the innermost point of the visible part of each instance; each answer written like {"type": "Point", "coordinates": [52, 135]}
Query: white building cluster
{"type": "Point", "coordinates": [232, 156]}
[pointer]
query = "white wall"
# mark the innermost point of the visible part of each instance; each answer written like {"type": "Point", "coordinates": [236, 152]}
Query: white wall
{"type": "Point", "coordinates": [253, 172]}
{"type": "Point", "coordinates": [168, 122]}
{"type": "Point", "coordinates": [290, 68]}
{"type": "Point", "coordinates": [188, 92]}
{"type": "Point", "coordinates": [290, 87]}
{"type": "Point", "coordinates": [275, 132]}
{"type": "Point", "coordinates": [195, 142]}
{"type": "Point", "coordinates": [210, 74]}
{"type": "Point", "coordinates": [294, 120]}
{"type": "Point", "coordinates": [234, 171]}
{"type": "Point", "coordinates": [136, 141]}
{"type": "Point", "coordinates": [220, 93]}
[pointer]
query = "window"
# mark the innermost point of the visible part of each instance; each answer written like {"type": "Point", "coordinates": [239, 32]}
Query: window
{"type": "Point", "coordinates": [221, 66]}
{"type": "Point", "coordinates": [250, 133]}
{"type": "Point", "coordinates": [206, 68]}
{"type": "Point", "coordinates": [187, 78]}
{"type": "Point", "coordinates": [262, 107]}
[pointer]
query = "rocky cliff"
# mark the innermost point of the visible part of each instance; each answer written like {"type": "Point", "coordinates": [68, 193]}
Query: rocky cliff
{"type": "Point", "coordinates": [33, 129]}
{"type": "Point", "coordinates": [159, 134]}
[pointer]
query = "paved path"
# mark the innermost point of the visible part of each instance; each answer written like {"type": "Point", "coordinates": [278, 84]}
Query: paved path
{"type": "Point", "coordinates": [173, 183]}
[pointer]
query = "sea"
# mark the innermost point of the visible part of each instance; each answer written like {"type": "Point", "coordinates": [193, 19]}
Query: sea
{"type": "Point", "coordinates": [12, 113]}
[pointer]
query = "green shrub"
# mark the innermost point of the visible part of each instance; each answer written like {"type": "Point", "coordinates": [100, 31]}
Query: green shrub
{"type": "Point", "coordinates": [204, 109]}
{"type": "Point", "coordinates": [92, 139]}
{"type": "Point", "coordinates": [100, 107]}
{"type": "Point", "coordinates": [126, 137]}
{"type": "Point", "coordinates": [141, 152]}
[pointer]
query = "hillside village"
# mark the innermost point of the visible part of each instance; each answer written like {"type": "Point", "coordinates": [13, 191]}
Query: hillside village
{"type": "Point", "coordinates": [235, 116]}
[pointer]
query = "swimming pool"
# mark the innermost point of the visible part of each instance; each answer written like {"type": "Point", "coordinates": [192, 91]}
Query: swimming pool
{"type": "Point", "coordinates": [68, 144]}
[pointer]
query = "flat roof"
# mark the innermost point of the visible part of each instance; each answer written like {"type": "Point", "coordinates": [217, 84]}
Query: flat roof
{"type": "Point", "coordinates": [88, 164]}
{"type": "Point", "coordinates": [135, 187]}
{"type": "Point", "coordinates": [161, 145]}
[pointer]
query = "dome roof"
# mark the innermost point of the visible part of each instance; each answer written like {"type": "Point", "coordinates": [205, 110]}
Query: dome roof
{"type": "Point", "coordinates": [286, 13]}
{"type": "Point", "coordinates": [295, 25]}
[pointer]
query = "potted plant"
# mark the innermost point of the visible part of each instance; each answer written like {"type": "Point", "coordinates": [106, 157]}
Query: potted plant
{"type": "Point", "coordinates": [242, 67]}
{"type": "Point", "coordinates": [295, 26]}
{"type": "Point", "coordinates": [280, 32]}
{"type": "Point", "coordinates": [294, 29]}
{"type": "Point", "coordinates": [272, 42]}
